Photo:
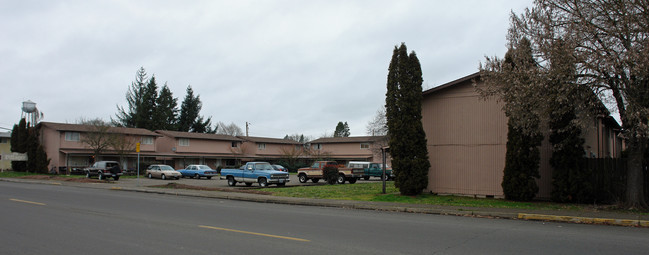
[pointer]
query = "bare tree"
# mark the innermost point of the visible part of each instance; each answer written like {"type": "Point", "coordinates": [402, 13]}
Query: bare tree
{"type": "Point", "coordinates": [378, 126]}
{"type": "Point", "coordinates": [123, 145]}
{"type": "Point", "coordinates": [97, 135]}
{"type": "Point", "coordinates": [608, 42]}
{"type": "Point", "coordinates": [231, 129]}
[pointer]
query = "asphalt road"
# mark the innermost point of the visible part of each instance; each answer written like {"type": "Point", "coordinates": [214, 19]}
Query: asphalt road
{"type": "Point", "coordinates": [51, 219]}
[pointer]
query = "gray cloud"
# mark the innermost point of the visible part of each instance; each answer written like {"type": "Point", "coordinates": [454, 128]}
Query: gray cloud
{"type": "Point", "coordinates": [285, 66]}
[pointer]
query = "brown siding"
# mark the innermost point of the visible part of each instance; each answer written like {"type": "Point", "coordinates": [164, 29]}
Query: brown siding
{"type": "Point", "coordinates": [467, 139]}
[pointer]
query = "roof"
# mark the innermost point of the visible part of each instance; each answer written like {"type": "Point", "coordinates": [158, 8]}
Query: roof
{"type": "Point", "coordinates": [351, 139]}
{"type": "Point", "coordinates": [87, 128]}
{"type": "Point", "coordinates": [269, 140]}
{"type": "Point", "coordinates": [202, 136]}
{"type": "Point", "coordinates": [5, 134]}
{"type": "Point", "coordinates": [474, 76]}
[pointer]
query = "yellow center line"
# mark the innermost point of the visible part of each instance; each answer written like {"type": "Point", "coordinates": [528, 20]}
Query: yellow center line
{"type": "Point", "coordinates": [25, 201]}
{"type": "Point", "coordinates": [253, 233]}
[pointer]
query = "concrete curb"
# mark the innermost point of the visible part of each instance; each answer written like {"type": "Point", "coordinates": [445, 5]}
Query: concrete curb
{"type": "Point", "coordinates": [584, 220]}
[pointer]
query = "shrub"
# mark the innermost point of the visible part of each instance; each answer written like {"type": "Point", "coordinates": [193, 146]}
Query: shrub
{"type": "Point", "coordinates": [330, 173]}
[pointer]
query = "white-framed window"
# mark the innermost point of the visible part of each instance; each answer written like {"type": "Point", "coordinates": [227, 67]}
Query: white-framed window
{"type": "Point", "coordinates": [72, 136]}
{"type": "Point", "coordinates": [261, 146]}
{"type": "Point", "coordinates": [316, 146]}
{"type": "Point", "coordinates": [365, 145]}
{"type": "Point", "coordinates": [147, 140]}
{"type": "Point", "coordinates": [183, 142]}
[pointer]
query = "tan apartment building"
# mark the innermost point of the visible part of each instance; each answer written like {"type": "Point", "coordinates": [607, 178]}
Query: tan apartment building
{"type": "Point", "coordinates": [5, 148]}
{"type": "Point", "coordinates": [271, 149]}
{"type": "Point", "coordinates": [467, 139]}
{"type": "Point", "coordinates": [65, 146]}
{"type": "Point", "coordinates": [180, 149]}
{"type": "Point", "coordinates": [345, 149]}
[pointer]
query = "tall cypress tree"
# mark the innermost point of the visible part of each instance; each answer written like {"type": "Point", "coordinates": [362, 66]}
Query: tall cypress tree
{"type": "Point", "coordinates": [407, 139]}
{"type": "Point", "coordinates": [19, 135]}
{"type": "Point", "coordinates": [524, 138]}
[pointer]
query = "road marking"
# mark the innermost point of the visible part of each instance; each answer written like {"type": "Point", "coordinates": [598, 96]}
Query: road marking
{"type": "Point", "coordinates": [253, 233]}
{"type": "Point", "coordinates": [25, 201]}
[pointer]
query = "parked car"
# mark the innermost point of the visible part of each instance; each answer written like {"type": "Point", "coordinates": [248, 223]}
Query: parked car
{"type": "Point", "coordinates": [198, 171]}
{"type": "Point", "coordinates": [162, 171]}
{"type": "Point", "coordinates": [280, 168]}
{"type": "Point", "coordinates": [103, 170]}
{"type": "Point", "coordinates": [259, 172]}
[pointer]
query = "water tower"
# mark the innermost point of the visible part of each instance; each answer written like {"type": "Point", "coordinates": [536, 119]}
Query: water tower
{"type": "Point", "coordinates": [31, 113]}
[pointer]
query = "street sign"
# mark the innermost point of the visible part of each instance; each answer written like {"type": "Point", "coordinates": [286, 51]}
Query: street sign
{"type": "Point", "coordinates": [137, 147]}
{"type": "Point", "coordinates": [14, 156]}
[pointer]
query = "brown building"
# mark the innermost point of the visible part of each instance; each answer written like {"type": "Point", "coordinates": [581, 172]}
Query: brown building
{"type": "Point", "coordinates": [467, 139]}
{"type": "Point", "coordinates": [345, 149]}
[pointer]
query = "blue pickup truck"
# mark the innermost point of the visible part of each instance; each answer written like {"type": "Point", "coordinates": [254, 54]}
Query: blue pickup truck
{"type": "Point", "coordinates": [255, 172]}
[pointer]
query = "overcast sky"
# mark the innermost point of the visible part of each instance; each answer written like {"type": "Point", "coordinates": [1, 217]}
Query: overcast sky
{"type": "Point", "coordinates": [286, 67]}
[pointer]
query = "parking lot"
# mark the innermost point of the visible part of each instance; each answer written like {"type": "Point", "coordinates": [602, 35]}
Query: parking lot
{"type": "Point", "coordinates": [216, 182]}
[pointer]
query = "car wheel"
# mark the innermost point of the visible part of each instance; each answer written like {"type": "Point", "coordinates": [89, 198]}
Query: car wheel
{"type": "Point", "coordinates": [248, 184]}
{"type": "Point", "coordinates": [231, 181]}
{"type": "Point", "coordinates": [352, 180]}
{"type": "Point", "coordinates": [366, 178]}
{"type": "Point", "coordinates": [302, 178]}
{"type": "Point", "coordinates": [116, 178]}
{"type": "Point", "coordinates": [178, 178]}
{"type": "Point", "coordinates": [209, 177]}
{"type": "Point", "coordinates": [315, 180]}
{"type": "Point", "coordinates": [197, 176]}
{"type": "Point", "coordinates": [263, 182]}
{"type": "Point", "coordinates": [386, 177]}
{"type": "Point", "coordinates": [87, 175]}
{"type": "Point", "coordinates": [163, 177]}
{"type": "Point", "coordinates": [341, 179]}
{"type": "Point", "coordinates": [150, 176]}
{"type": "Point", "coordinates": [101, 176]}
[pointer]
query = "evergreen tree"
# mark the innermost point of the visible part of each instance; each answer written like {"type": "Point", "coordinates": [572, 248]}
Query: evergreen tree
{"type": "Point", "coordinates": [407, 139]}
{"type": "Point", "coordinates": [339, 129]}
{"type": "Point", "coordinates": [189, 119]}
{"type": "Point", "coordinates": [148, 107]}
{"type": "Point", "coordinates": [37, 161]}
{"type": "Point", "coordinates": [166, 111]}
{"type": "Point", "coordinates": [524, 137]}
{"type": "Point", "coordinates": [19, 135]}
{"type": "Point", "coordinates": [570, 178]}
{"type": "Point", "coordinates": [132, 117]}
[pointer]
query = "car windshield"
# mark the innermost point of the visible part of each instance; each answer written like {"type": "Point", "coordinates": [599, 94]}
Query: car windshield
{"type": "Point", "coordinates": [204, 167]}
{"type": "Point", "coordinates": [263, 167]}
{"type": "Point", "coordinates": [165, 167]}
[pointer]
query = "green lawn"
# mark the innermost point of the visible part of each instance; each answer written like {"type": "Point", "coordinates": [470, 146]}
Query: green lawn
{"type": "Point", "coordinates": [373, 192]}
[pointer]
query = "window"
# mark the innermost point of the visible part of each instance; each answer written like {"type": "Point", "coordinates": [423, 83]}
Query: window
{"type": "Point", "coordinates": [317, 146]}
{"type": "Point", "coordinates": [235, 144]}
{"type": "Point", "coordinates": [4, 140]}
{"type": "Point", "coordinates": [147, 140]}
{"type": "Point", "coordinates": [183, 142]}
{"type": "Point", "coordinates": [72, 136]}
{"type": "Point", "coordinates": [261, 146]}
{"type": "Point", "coordinates": [365, 145]}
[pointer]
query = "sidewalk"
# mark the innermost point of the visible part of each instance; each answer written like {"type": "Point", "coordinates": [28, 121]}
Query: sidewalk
{"type": "Point", "coordinates": [585, 217]}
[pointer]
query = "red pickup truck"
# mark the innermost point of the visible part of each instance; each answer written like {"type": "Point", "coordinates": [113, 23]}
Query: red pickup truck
{"type": "Point", "coordinates": [314, 173]}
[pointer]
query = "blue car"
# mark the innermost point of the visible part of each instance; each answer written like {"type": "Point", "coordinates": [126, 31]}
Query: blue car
{"type": "Point", "coordinates": [198, 171]}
